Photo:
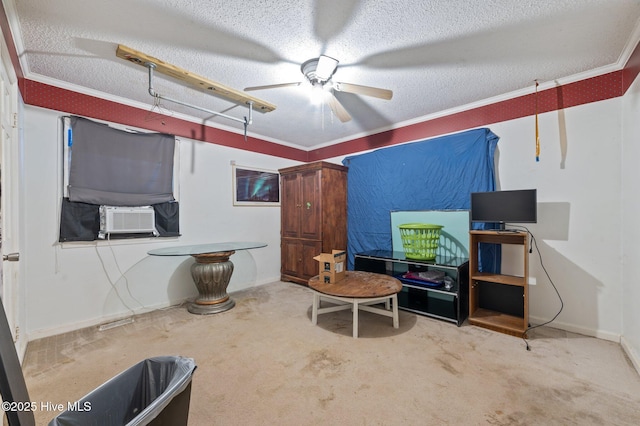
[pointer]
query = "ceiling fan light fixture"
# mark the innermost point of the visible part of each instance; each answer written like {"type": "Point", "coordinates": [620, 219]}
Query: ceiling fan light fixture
{"type": "Point", "coordinates": [326, 67]}
{"type": "Point", "coordinates": [308, 68]}
{"type": "Point", "coordinates": [318, 73]}
{"type": "Point", "coordinates": [319, 70]}
{"type": "Point", "coordinates": [317, 93]}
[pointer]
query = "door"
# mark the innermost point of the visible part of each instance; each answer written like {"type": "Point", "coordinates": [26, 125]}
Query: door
{"type": "Point", "coordinates": [290, 256]}
{"type": "Point", "coordinates": [9, 194]}
{"type": "Point", "coordinates": [298, 258]}
{"type": "Point", "coordinates": [310, 205]}
{"type": "Point", "coordinates": [301, 205]}
{"type": "Point", "coordinates": [309, 266]}
{"type": "Point", "coordinates": [290, 205]}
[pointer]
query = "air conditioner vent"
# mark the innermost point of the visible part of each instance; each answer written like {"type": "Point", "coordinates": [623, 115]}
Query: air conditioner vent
{"type": "Point", "coordinates": [127, 220]}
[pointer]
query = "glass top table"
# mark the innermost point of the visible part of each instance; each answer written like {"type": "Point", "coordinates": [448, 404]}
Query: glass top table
{"type": "Point", "coordinates": [211, 272]}
{"type": "Point", "coordinates": [197, 249]}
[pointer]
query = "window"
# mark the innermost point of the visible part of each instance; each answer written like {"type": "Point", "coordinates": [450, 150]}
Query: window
{"type": "Point", "coordinates": [105, 166]}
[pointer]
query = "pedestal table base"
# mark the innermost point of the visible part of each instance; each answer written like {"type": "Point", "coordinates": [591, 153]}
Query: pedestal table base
{"type": "Point", "coordinates": [211, 274]}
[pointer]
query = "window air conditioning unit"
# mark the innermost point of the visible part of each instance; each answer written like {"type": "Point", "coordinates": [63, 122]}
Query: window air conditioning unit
{"type": "Point", "coordinates": [127, 220]}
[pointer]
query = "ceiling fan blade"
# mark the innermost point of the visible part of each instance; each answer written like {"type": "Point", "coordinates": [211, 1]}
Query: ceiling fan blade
{"type": "Point", "coordinates": [271, 86]}
{"type": "Point", "coordinates": [326, 67]}
{"type": "Point", "coordinates": [338, 109]}
{"type": "Point", "coordinates": [363, 90]}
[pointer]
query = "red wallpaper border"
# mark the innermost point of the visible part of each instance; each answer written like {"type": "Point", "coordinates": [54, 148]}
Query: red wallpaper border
{"type": "Point", "coordinates": [64, 100]}
{"type": "Point", "coordinates": [582, 92]}
{"type": "Point", "coordinates": [593, 89]}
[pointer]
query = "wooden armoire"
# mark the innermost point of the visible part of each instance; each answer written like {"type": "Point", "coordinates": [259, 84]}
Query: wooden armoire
{"type": "Point", "coordinates": [314, 217]}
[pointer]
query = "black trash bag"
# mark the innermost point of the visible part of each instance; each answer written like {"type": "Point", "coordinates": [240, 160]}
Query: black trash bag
{"type": "Point", "coordinates": [154, 391]}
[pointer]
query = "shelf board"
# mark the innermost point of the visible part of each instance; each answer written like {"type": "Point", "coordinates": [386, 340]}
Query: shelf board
{"type": "Point", "coordinates": [498, 237]}
{"type": "Point", "coordinates": [498, 321]}
{"type": "Point", "coordinates": [208, 86]}
{"type": "Point", "coordinates": [499, 279]}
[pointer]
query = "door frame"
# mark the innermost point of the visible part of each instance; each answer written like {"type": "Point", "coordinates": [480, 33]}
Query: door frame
{"type": "Point", "coordinates": [10, 200]}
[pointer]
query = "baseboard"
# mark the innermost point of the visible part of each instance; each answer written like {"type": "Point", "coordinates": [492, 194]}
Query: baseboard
{"type": "Point", "coordinates": [631, 353]}
{"type": "Point", "coordinates": [604, 335]}
{"type": "Point", "coordinates": [94, 322]}
{"type": "Point", "coordinates": [268, 280]}
{"type": "Point", "coordinates": [628, 349]}
{"type": "Point", "coordinates": [21, 349]}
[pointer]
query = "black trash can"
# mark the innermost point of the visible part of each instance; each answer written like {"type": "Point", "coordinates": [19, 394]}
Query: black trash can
{"type": "Point", "coordinates": [156, 391]}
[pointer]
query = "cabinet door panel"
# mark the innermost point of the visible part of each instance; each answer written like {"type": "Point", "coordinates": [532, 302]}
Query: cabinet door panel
{"type": "Point", "coordinates": [290, 206]}
{"type": "Point", "coordinates": [310, 267]}
{"type": "Point", "coordinates": [298, 257]}
{"type": "Point", "coordinates": [291, 257]}
{"type": "Point", "coordinates": [311, 220]}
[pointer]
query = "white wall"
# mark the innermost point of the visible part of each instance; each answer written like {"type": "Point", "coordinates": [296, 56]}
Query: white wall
{"type": "Point", "coordinates": [579, 218]}
{"type": "Point", "coordinates": [631, 223]}
{"type": "Point", "coordinates": [74, 285]}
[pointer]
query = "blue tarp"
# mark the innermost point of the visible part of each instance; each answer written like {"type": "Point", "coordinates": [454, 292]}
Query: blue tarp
{"type": "Point", "coordinates": [435, 174]}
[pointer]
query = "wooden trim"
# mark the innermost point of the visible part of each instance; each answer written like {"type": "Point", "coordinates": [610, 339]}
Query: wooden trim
{"type": "Point", "coordinates": [209, 86]}
{"type": "Point", "coordinates": [313, 166]}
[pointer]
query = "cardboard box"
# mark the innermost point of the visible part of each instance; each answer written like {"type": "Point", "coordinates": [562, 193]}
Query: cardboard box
{"type": "Point", "coordinates": [332, 266]}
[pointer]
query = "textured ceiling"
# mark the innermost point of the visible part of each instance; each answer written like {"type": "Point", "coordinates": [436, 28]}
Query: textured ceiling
{"type": "Point", "coordinates": [434, 55]}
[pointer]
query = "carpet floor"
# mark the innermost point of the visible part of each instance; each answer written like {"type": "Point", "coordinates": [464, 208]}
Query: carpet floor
{"type": "Point", "coordinates": [264, 363]}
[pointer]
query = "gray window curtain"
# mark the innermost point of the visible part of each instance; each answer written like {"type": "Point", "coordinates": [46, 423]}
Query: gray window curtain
{"type": "Point", "coordinates": [118, 168]}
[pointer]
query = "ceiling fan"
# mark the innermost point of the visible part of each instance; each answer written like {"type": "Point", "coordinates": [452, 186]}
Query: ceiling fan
{"type": "Point", "coordinates": [318, 71]}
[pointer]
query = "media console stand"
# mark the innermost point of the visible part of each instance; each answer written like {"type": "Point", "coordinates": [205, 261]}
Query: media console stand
{"type": "Point", "coordinates": [438, 302]}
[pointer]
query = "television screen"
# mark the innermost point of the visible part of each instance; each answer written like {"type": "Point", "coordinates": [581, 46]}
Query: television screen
{"type": "Point", "coordinates": [519, 206]}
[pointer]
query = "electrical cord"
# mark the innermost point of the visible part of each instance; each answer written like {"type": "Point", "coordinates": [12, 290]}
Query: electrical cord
{"type": "Point", "coordinates": [534, 243]}
{"type": "Point", "coordinates": [126, 280]}
{"type": "Point", "coordinates": [112, 283]}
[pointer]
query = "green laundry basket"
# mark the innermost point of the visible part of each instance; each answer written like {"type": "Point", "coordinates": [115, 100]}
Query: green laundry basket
{"type": "Point", "coordinates": [420, 240]}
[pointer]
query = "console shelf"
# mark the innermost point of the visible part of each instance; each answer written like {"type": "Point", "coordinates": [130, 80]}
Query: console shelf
{"type": "Point", "coordinates": [496, 301]}
{"type": "Point", "coordinates": [448, 304]}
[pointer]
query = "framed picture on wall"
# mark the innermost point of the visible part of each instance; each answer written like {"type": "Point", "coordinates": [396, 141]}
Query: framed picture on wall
{"type": "Point", "coordinates": [255, 187]}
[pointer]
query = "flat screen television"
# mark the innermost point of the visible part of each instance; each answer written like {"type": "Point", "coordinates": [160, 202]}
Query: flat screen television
{"type": "Point", "coordinates": [500, 207]}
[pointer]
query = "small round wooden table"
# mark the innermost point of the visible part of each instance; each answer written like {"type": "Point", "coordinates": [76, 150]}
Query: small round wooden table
{"type": "Point", "coordinates": [358, 290]}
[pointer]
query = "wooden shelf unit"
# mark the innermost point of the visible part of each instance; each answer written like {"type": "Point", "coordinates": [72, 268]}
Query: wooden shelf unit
{"type": "Point", "coordinates": [488, 291]}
